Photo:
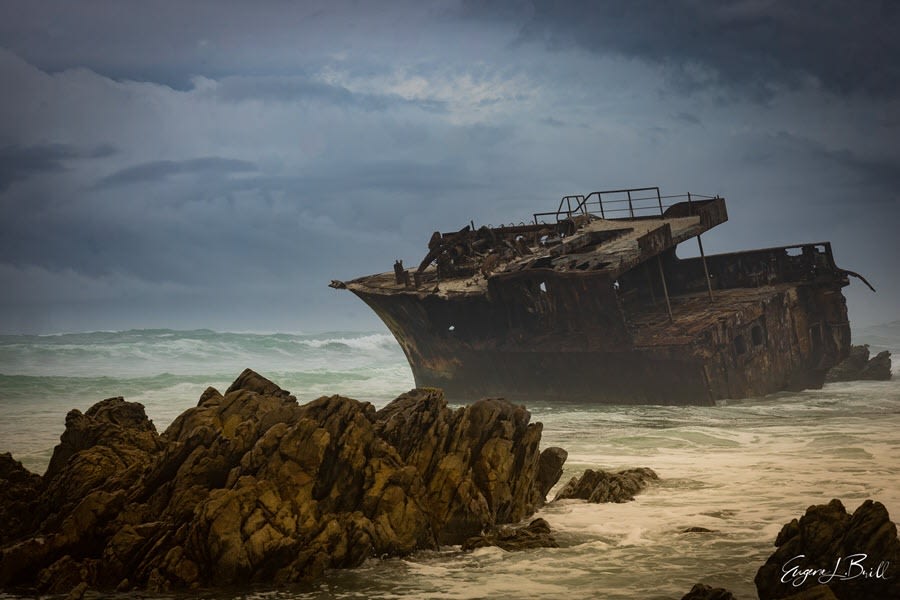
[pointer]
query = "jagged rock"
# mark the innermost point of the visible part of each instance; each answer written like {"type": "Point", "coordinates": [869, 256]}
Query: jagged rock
{"type": "Point", "coordinates": [113, 442]}
{"type": "Point", "coordinates": [550, 468]}
{"type": "Point", "coordinates": [878, 368]}
{"type": "Point", "coordinates": [701, 591]}
{"type": "Point", "coordinates": [19, 490]}
{"type": "Point", "coordinates": [858, 366]}
{"type": "Point", "coordinates": [250, 486]}
{"type": "Point", "coordinates": [602, 486]}
{"type": "Point", "coordinates": [479, 463]}
{"type": "Point", "coordinates": [861, 550]}
{"type": "Point", "coordinates": [536, 534]}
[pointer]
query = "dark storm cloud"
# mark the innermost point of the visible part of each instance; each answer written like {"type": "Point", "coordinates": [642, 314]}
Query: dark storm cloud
{"type": "Point", "coordinates": [263, 149]}
{"type": "Point", "coordinates": [169, 41]}
{"type": "Point", "coordinates": [828, 166]}
{"type": "Point", "coordinates": [162, 169]}
{"type": "Point", "coordinates": [755, 44]}
{"type": "Point", "coordinates": [18, 163]}
{"type": "Point", "coordinates": [881, 171]}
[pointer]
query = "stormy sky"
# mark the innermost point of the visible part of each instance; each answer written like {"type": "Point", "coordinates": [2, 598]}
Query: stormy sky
{"type": "Point", "coordinates": [216, 164]}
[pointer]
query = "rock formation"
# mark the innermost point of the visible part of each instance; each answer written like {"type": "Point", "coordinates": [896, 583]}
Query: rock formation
{"type": "Point", "coordinates": [603, 486]}
{"type": "Point", "coordinates": [536, 534]}
{"type": "Point", "coordinates": [858, 366]}
{"type": "Point", "coordinates": [857, 555]}
{"type": "Point", "coordinates": [250, 486]}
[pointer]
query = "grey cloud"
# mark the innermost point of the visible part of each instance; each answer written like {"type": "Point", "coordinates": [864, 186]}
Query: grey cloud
{"type": "Point", "coordinates": [370, 196]}
{"type": "Point", "coordinates": [260, 227]}
{"type": "Point", "coordinates": [163, 169]}
{"type": "Point", "coordinates": [413, 177]}
{"type": "Point", "coordinates": [689, 118]}
{"type": "Point", "coordinates": [389, 176]}
{"type": "Point", "coordinates": [848, 47]}
{"type": "Point", "coordinates": [18, 163]}
{"type": "Point", "coordinates": [296, 88]}
{"type": "Point", "coordinates": [237, 89]}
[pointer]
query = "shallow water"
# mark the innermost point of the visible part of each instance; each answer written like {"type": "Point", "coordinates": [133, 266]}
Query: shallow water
{"type": "Point", "coordinates": [741, 469]}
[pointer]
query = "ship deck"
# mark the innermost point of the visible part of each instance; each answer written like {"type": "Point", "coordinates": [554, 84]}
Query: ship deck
{"type": "Point", "coordinates": [608, 246]}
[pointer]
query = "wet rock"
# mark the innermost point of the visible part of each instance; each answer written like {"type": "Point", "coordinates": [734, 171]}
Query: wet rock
{"type": "Point", "coordinates": [66, 575]}
{"type": "Point", "coordinates": [251, 486]}
{"type": "Point", "coordinates": [550, 468]}
{"type": "Point", "coordinates": [536, 534]}
{"type": "Point", "coordinates": [479, 463]}
{"type": "Point", "coordinates": [698, 530]}
{"type": "Point", "coordinates": [112, 443]}
{"type": "Point", "coordinates": [603, 486]}
{"type": "Point", "coordinates": [77, 592]}
{"type": "Point", "coordinates": [701, 591]}
{"type": "Point", "coordinates": [856, 555]}
{"type": "Point", "coordinates": [859, 366]}
{"type": "Point", "coordinates": [19, 490]}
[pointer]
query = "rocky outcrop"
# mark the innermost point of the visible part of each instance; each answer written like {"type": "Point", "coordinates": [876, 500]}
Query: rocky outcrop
{"type": "Point", "coordinates": [251, 486]}
{"type": "Point", "coordinates": [857, 555]}
{"type": "Point", "coordinates": [603, 486]}
{"type": "Point", "coordinates": [859, 366]}
{"type": "Point", "coordinates": [536, 534]}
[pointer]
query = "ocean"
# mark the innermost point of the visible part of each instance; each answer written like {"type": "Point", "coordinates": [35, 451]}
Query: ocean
{"type": "Point", "coordinates": [740, 469]}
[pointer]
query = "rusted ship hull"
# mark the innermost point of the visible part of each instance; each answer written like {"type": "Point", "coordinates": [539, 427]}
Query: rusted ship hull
{"type": "Point", "coordinates": [758, 341]}
{"type": "Point", "coordinates": [648, 329]}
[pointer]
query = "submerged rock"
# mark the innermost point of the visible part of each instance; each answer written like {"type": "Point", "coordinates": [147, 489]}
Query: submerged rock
{"type": "Point", "coordinates": [536, 534]}
{"type": "Point", "coordinates": [603, 486]}
{"type": "Point", "coordinates": [857, 555]}
{"type": "Point", "coordinates": [859, 366]}
{"type": "Point", "coordinates": [251, 486]}
{"type": "Point", "coordinates": [701, 591]}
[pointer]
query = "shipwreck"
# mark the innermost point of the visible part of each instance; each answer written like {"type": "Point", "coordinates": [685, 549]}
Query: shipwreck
{"type": "Point", "coordinates": [590, 303]}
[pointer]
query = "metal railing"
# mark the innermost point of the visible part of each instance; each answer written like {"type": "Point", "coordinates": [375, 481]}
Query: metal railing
{"type": "Point", "coordinates": [628, 203]}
